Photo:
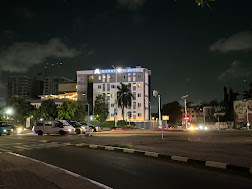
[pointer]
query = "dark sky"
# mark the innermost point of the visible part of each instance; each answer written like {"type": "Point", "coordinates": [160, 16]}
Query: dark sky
{"type": "Point", "coordinates": [190, 50]}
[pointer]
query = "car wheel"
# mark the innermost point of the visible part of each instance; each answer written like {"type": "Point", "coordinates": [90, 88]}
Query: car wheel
{"type": "Point", "coordinates": [78, 131]}
{"type": "Point", "coordinates": [62, 133]}
{"type": "Point", "coordinates": [40, 132]}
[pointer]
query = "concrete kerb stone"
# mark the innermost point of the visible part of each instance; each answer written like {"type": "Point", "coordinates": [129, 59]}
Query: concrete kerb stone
{"type": "Point", "coordinates": [109, 148]}
{"type": "Point", "coordinates": [180, 158]}
{"type": "Point", "coordinates": [93, 146]}
{"type": "Point", "coordinates": [216, 164]}
{"type": "Point", "coordinates": [152, 154]}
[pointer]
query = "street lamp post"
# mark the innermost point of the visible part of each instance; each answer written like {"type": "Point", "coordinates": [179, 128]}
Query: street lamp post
{"type": "Point", "coordinates": [248, 124]}
{"type": "Point", "coordinates": [115, 107]}
{"type": "Point", "coordinates": [184, 98]}
{"type": "Point", "coordinates": [156, 94]}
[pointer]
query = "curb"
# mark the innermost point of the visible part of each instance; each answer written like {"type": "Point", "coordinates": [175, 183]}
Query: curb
{"type": "Point", "coordinates": [212, 164]}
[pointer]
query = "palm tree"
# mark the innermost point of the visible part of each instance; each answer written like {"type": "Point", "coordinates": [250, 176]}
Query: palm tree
{"type": "Point", "coordinates": [124, 97]}
{"type": "Point", "coordinates": [248, 94]}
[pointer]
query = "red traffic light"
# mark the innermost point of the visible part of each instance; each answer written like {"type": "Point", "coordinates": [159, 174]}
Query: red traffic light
{"type": "Point", "coordinates": [186, 118]}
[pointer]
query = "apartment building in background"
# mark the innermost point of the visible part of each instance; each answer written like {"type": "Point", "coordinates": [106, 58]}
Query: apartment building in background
{"type": "Point", "coordinates": [51, 84]}
{"type": "Point", "coordinates": [91, 83]}
{"type": "Point", "coordinates": [20, 86]}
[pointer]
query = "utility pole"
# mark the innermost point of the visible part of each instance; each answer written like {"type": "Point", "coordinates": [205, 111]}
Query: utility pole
{"type": "Point", "coordinates": [186, 120]}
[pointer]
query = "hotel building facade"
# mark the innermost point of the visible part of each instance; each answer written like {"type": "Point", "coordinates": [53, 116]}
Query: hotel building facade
{"type": "Point", "coordinates": [91, 83]}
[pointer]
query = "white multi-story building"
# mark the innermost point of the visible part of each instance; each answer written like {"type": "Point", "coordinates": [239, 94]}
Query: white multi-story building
{"type": "Point", "coordinates": [91, 83]}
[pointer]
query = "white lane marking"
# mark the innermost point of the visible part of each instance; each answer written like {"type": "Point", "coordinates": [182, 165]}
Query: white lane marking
{"type": "Point", "coordinates": [5, 150]}
{"type": "Point", "coordinates": [66, 171]}
{"type": "Point", "coordinates": [21, 147]}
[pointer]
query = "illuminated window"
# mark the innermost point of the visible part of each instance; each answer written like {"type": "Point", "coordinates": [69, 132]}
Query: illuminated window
{"type": "Point", "coordinates": [112, 95]}
{"type": "Point", "coordinates": [108, 94]}
{"type": "Point", "coordinates": [90, 78]}
{"type": "Point", "coordinates": [139, 85]}
{"type": "Point", "coordinates": [99, 77]}
{"type": "Point", "coordinates": [134, 86]}
{"type": "Point", "coordinates": [104, 76]}
{"type": "Point", "coordinates": [108, 76]}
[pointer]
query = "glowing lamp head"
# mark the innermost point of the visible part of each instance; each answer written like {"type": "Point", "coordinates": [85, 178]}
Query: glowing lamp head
{"type": "Point", "coordinates": [9, 111]}
{"type": "Point", "coordinates": [97, 71]}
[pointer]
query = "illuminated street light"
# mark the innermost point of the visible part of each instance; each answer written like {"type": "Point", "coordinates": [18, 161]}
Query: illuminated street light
{"type": "Point", "coordinates": [9, 111]}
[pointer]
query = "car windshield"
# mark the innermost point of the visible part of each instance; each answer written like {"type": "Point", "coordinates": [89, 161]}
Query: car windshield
{"type": "Point", "coordinates": [3, 124]}
{"type": "Point", "coordinates": [65, 123]}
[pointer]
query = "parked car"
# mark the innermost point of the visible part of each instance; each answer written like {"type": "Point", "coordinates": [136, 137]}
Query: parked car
{"type": "Point", "coordinates": [5, 129]}
{"type": "Point", "coordinates": [93, 128]}
{"type": "Point", "coordinates": [61, 127]}
{"type": "Point", "coordinates": [17, 129]}
{"type": "Point", "coordinates": [79, 128]}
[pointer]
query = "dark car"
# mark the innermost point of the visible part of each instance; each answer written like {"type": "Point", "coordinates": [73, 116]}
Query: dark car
{"type": "Point", "coordinates": [5, 129]}
{"type": "Point", "coordinates": [79, 128]}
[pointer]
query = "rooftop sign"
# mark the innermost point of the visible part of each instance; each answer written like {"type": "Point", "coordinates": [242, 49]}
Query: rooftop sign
{"type": "Point", "coordinates": [97, 71]}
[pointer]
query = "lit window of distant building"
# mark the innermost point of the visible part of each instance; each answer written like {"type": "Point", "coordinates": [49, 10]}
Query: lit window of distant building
{"type": "Point", "coordinates": [139, 85]}
{"type": "Point", "coordinates": [99, 77]}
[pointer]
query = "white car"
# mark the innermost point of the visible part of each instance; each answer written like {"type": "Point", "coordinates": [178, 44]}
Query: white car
{"type": "Point", "coordinates": [61, 127]}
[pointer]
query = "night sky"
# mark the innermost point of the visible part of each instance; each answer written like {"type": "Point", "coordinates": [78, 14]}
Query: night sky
{"type": "Point", "coordinates": [190, 50]}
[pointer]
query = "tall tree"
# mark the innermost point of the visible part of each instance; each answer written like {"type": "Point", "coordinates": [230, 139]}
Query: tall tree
{"type": "Point", "coordinates": [21, 109]}
{"type": "Point", "coordinates": [101, 108]}
{"type": "Point", "coordinates": [70, 111]}
{"type": "Point", "coordinates": [48, 110]}
{"type": "Point", "coordinates": [174, 111]}
{"type": "Point", "coordinates": [124, 97]}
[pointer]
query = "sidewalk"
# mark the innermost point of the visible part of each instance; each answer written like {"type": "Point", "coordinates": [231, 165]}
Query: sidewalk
{"type": "Point", "coordinates": [22, 173]}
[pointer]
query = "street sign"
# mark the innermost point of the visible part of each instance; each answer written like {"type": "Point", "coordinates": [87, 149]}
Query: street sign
{"type": "Point", "coordinates": [28, 122]}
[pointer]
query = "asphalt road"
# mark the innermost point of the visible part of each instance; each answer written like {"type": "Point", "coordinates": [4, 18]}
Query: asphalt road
{"type": "Point", "coordinates": [120, 170]}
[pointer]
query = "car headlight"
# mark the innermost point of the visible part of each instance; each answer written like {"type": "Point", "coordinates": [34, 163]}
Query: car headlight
{"type": "Point", "coordinates": [69, 130]}
{"type": "Point", "coordinates": [19, 129]}
{"type": "Point", "coordinates": [11, 130]}
{"type": "Point", "coordinates": [200, 127]}
{"type": "Point", "coordinates": [206, 128]}
{"type": "Point", "coordinates": [4, 130]}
